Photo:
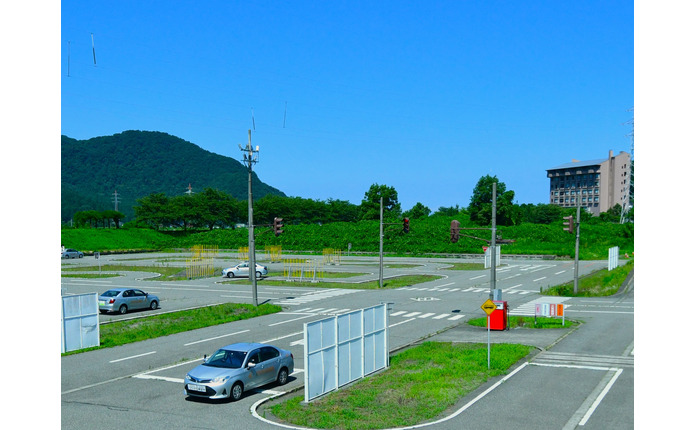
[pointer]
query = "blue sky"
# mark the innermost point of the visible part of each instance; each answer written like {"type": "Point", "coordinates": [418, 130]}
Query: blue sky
{"type": "Point", "coordinates": [426, 97]}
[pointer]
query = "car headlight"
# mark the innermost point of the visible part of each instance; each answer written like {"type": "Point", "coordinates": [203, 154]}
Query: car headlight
{"type": "Point", "coordinates": [220, 379]}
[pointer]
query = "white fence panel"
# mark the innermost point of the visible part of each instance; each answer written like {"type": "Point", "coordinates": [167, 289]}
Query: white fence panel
{"type": "Point", "coordinates": [344, 348]}
{"type": "Point", "coordinates": [79, 320]}
{"type": "Point", "coordinates": [613, 254]}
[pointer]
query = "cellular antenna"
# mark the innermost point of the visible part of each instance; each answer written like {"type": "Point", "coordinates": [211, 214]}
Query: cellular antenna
{"type": "Point", "coordinates": [68, 58]}
{"type": "Point", "coordinates": [253, 120]}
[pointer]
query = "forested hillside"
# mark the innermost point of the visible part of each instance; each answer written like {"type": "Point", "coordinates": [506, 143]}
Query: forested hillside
{"type": "Point", "coordinates": [139, 163]}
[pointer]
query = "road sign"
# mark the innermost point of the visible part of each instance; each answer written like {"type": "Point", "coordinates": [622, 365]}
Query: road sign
{"type": "Point", "coordinates": [489, 307]}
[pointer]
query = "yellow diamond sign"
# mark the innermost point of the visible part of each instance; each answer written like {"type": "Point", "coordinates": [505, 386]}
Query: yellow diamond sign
{"type": "Point", "coordinates": [489, 307]}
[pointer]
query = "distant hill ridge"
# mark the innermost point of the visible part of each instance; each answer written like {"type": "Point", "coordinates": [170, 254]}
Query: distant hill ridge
{"type": "Point", "coordinates": [139, 163]}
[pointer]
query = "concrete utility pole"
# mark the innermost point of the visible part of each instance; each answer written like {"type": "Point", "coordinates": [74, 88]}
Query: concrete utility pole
{"type": "Point", "coordinates": [249, 160]}
{"type": "Point", "coordinates": [493, 242]}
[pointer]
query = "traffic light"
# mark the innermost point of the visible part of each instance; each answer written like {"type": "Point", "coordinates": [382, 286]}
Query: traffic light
{"type": "Point", "coordinates": [406, 225]}
{"type": "Point", "coordinates": [455, 227]}
{"type": "Point", "coordinates": [277, 226]}
{"type": "Point", "coordinates": [569, 223]}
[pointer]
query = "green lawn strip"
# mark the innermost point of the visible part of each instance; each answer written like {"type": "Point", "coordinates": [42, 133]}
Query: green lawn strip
{"type": "Point", "coordinates": [420, 384]}
{"type": "Point", "coordinates": [466, 266]}
{"type": "Point", "coordinates": [598, 284]}
{"type": "Point", "coordinates": [124, 332]}
{"type": "Point", "coordinates": [527, 322]}
{"type": "Point", "coordinates": [90, 275]}
{"type": "Point", "coordinates": [397, 282]}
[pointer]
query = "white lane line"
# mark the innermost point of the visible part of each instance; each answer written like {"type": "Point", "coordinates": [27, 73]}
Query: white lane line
{"type": "Point", "coordinates": [395, 314]}
{"type": "Point", "coordinates": [427, 315]}
{"type": "Point", "coordinates": [438, 317]}
{"type": "Point", "coordinates": [289, 321]}
{"type": "Point", "coordinates": [600, 398]}
{"type": "Point", "coordinates": [477, 277]}
{"type": "Point", "coordinates": [539, 279]}
{"type": "Point", "coordinates": [214, 338]}
{"type": "Point", "coordinates": [402, 322]}
{"type": "Point", "coordinates": [283, 337]}
{"type": "Point", "coordinates": [412, 314]}
{"type": "Point", "coordinates": [446, 285]}
{"type": "Point", "coordinates": [161, 378]}
{"type": "Point", "coordinates": [456, 317]}
{"type": "Point", "coordinates": [134, 356]}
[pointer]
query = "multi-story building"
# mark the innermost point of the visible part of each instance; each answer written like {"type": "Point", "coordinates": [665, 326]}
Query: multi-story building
{"type": "Point", "coordinates": [596, 185]}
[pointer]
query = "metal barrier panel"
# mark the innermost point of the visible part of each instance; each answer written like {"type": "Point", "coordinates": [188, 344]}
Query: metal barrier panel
{"type": "Point", "coordinates": [79, 320]}
{"type": "Point", "coordinates": [344, 348]}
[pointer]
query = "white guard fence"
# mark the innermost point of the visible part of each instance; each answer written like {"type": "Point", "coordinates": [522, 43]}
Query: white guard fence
{"type": "Point", "coordinates": [79, 322]}
{"type": "Point", "coordinates": [344, 348]}
{"type": "Point", "coordinates": [613, 254]}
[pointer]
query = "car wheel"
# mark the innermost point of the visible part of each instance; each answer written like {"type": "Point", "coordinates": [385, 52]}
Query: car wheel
{"type": "Point", "coordinates": [65, 257]}
{"type": "Point", "coordinates": [258, 275]}
{"type": "Point", "coordinates": [153, 305]}
{"type": "Point", "coordinates": [237, 391]}
{"type": "Point", "coordinates": [123, 309]}
{"type": "Point", "coordinates": [282, 376]}
{"type": "Point", "coordinates": [80, 255]}
{"type": "Point", "coordinates": [230, 274]}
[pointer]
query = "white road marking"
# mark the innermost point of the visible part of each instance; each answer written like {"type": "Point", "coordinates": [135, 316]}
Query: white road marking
{"type": "Point", "coordinates": [134, 356]}
{"type": "Point", "coordinates": [214, 338]}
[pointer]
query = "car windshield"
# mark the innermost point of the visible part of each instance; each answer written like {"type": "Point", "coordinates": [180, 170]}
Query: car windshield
{"type": "Point", "coordinates": [110, 293]}
{"type": "Point", "coordinates": [226, 359]}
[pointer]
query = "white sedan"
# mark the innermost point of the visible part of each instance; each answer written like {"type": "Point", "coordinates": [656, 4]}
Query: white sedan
{"type": "Point", "coordinates": [242, 270]}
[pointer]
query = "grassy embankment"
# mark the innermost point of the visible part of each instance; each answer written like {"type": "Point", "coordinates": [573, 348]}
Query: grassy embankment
{"type": "Point", "coordinates": [426, 236]}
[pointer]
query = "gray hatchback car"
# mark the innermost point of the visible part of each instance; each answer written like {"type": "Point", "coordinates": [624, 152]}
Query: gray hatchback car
{"type": "Point", "coordinates": [122, 300]}
{"type": "Point", "coordinates": [236, 368]}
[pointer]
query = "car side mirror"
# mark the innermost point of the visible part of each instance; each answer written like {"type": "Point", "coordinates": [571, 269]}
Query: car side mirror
{"type": "Point", "coordinates": [205, 358]}
{"type": "Point", "coordinates": [251, 365]}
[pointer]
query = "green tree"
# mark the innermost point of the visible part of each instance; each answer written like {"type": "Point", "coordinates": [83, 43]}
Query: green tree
{"type": "Point", "coordinates": [113, 215]}
{"type": "Point", "coordinates": [153, 210]}
{"type": "Point", "coordinates": [418, 211]}
{"type": "Point", "coordinates": [448, 211]}
{"type": "Point", "coordinates": [371, 203]}
{"type": "Point", "coordinates": [480, 208]}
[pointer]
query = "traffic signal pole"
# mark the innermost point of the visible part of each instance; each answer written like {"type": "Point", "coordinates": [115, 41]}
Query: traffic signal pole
{"type": "Point", "coordinates": [381, 242]}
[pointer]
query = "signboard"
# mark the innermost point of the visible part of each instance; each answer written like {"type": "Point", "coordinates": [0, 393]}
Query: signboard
{"type": "Point", "coordinates": [489, 307]}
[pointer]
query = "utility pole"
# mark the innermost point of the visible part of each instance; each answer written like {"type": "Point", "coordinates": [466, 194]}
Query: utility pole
{"type": "Point", "coordinates": [576, 252]}
{"type": "Point", "coordinates": [493, 242]}
{"type": "Point", "coordinates": [249, 160]}
{"type": "Point", "coordinates": [381, 242]}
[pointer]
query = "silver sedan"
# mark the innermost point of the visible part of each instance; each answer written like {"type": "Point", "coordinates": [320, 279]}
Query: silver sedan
{"type": "Point", "coordinates": [242, 270]}
{"type": "Point", "coordinates": [122, 300]}
{"type": "Point", "coordinates": [236, 368]}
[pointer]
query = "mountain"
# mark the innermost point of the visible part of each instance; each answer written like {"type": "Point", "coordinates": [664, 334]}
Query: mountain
{"type": "Point", "coordinates": [139, 163]}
